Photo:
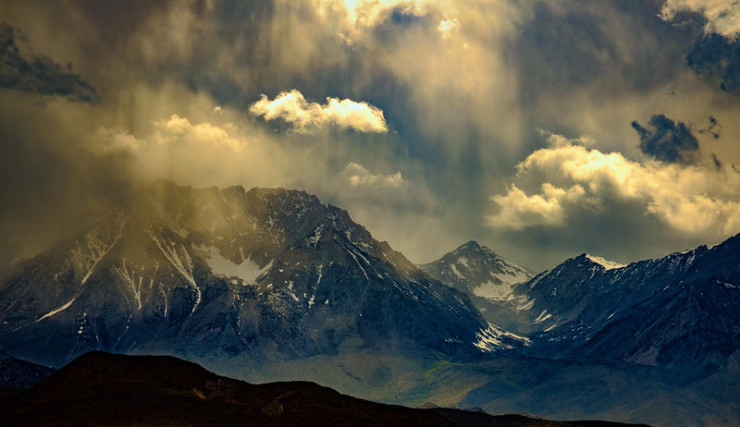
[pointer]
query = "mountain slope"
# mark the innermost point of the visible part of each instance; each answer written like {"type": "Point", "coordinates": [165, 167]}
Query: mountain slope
{"type": "Point", "coordinates": [266, 273]}
{"type": "Point", "coordinates": [487, 278]}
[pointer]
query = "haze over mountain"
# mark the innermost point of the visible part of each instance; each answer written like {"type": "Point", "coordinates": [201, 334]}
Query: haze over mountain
{"type": "Point", "coordinates": [268, 273]}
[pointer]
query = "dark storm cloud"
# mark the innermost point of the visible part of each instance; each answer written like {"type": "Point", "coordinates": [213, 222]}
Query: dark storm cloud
{"type": "Point", "coordinates": [712, 128]}
{"type": "Point", "coordinates": [38, 74]}
{"type": "Point", "coordinates": [572, 44]}
{"type": "Point", "coordinates": [668, 141]}
{"type": "Point", "coordinates": [717, 59]}
{"type": "Point", "coordinates": [716, 162]}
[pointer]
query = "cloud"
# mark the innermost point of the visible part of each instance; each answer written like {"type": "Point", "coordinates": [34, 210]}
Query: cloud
{"type": "Point", "coordinates": [447, 26]}
{"type": "Point", "coordinates": [358, 176]}
{"type": "Point", "coordinates": [717, 59]}
{"type": "Point", "coordinates": [723, 16]}
{"type": "Point", "coordinates": [463, 110]}
{"type": "Point", "coordinates": [576, 181]}
{"type": "Point", "coordinates": [355, 17]}
{"type": "Point", "coordinates": [668, 141]}
{"type": "Point", "coordinates": [178, 129]}
{"type": "Point", "coordinates": [38, 74]}
{"type": "Point", "coordinates": [518, 211]}
{"type": "Point", "coordinates": [293, 108]}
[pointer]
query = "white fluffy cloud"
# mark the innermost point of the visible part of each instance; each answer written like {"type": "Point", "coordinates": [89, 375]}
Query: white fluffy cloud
{"type": "Point", "coordinates": [723, 16]}
{"type": "Point", "coordinates": [358, 176]}
{"type": "Point", "coordinates": [518, 210]}
{"type": "Point", "coordinates": [293, 108]}
{"type": "Point", "coordinates": [576, 180]}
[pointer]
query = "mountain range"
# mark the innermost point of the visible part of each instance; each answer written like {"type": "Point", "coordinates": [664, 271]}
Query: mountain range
{"type": "Point", "coordinates": [271, 284]}
{"type": "Point", "coordinates": [669, 312]}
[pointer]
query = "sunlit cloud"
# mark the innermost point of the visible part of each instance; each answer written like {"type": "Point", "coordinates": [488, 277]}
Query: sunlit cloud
{"type": "Point", "coordinates": [723, 16]}
{"type": "Point", "coordinates": [447, 26]}
{"type": "Point", "coordinates": [577, 180]}
{"type": "Point", "coordinates": [517, 210]}
{"type": "Point", "coordinates": [358, 176]}
{"type": "Point", "coordinates": [293, 108]}
{"type": "Point", "coordinates": [178, 128]}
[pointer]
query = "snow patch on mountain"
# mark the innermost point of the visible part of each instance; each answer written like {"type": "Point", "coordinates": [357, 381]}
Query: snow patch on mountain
{"type": "Point", "coordinates": [494, 338]}
{"type": "Point", "coordinates": [247, 270]}
{"type": "Point", "coordinates": [608, 265]}
{"type": "Point", "coordinates": [503, 290]}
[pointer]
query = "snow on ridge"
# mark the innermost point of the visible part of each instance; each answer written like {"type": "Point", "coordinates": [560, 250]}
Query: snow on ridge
{"type": "Point", "coordinates": [608, 265]}
{"type": "Point", "coordinates": [493, 337]}
{"type": "Point", "coordinates": [181, 261]}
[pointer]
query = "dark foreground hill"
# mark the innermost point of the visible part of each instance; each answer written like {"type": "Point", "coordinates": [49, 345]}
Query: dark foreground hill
{"type": "Point", "coordinates": [16, 374]}
{"type": "Point", "coordinates": [106, 389]}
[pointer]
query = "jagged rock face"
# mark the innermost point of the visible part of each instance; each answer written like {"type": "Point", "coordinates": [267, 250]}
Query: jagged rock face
{"type": "Point", "coordinates": [475, 269]}
{"type": "Point", "coordinates": [210, 273]}
{"type": "Point", "coordinates": [489, 280]}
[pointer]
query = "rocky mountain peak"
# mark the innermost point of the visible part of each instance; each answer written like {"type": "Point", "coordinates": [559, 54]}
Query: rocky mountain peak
{"type": "Point", "coordinates": [277, 272]}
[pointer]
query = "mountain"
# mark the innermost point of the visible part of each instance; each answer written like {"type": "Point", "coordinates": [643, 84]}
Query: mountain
{"type": "Point", "coordinates": [106, 389]}
{"type": "Point", "coordinates": [209, 273]}
{"type": "Point", "coordinates": [676, 311]}
{"type": "Point", "coordinates": [488, 279]}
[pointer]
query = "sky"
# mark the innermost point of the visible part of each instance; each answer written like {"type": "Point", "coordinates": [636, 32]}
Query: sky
{"type": "Point", "coordinates": [540, 128]}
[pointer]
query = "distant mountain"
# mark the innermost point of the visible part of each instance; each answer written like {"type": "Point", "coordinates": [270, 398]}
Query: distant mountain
{"type": "Point", "coordinates": [680, 310]}
{"type": "Point", "coordinates": [105, 389]}
{"type": "Point", "coordinates": [676, 311]}
{"type": "Point", "coordinates": [488, 279]}
{"type": "Point", "coordinates": [209, 273]}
